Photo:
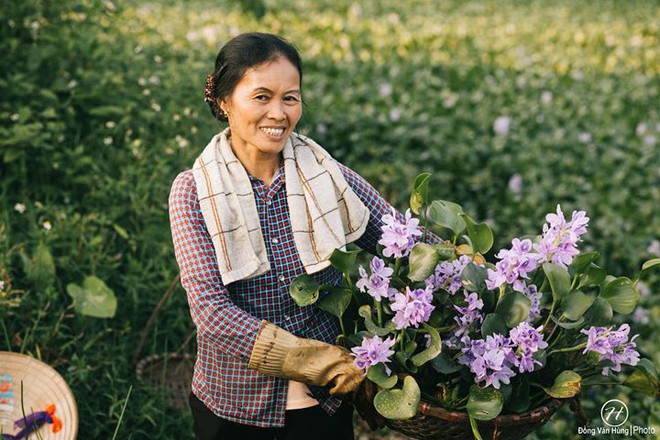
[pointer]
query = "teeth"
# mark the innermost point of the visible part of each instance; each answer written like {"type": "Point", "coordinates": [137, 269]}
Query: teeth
{"type": "Point", "coordinates": [274, 131]}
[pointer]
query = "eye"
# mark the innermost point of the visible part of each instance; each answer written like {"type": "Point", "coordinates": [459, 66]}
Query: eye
{"type": "Point", "coordinates": [291, 98]}
{"type": "Point", "coordinates": [261, 97]}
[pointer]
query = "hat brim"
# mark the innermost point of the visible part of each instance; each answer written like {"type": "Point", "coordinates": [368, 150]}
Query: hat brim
{"type": "Point", "coordinates": [37, 385]}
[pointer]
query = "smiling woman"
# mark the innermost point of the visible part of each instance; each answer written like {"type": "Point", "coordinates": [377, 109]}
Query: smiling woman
{"type": "Point", "coordinates": [261, 206]}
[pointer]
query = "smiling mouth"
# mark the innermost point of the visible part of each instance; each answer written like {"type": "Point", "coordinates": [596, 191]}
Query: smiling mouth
{"type": "Point", "coordinates": [276, 132]}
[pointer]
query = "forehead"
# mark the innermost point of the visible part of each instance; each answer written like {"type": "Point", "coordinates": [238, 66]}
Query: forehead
{"type": "Point", "coordinates": [277, 74]}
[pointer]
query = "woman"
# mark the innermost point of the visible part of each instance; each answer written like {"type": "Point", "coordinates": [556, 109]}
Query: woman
{"type": "Point", "coordinates": [261, 206]}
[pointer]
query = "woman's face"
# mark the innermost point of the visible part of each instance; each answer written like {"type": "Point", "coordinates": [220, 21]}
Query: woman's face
{"type": "Point", "coordinates": [264, 109]}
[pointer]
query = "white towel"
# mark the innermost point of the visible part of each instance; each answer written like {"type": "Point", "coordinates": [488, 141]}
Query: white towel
{"type": "Point", "coordinates": [324, 211]}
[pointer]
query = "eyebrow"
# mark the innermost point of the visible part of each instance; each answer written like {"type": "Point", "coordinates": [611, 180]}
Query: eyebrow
{"type": "Point", "coordinates": [265, 89]}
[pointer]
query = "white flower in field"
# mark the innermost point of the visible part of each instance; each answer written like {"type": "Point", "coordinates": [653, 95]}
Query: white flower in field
{"type": "Point", "coordinates": [138, 48]}
{"type": "Point", "coordinates": [155, 106]}
{"type": "Point", "coordinates": [107, 140]}
{"type": "Point", "coordinates": [321, 128]}
{"type": "Point", "coordinates": [20, 208]}
{"type": "Point", "coordinates": [385, 89]}
{"type": "Point", "coordinates": [142, 81]}
{"type": "Point", "coordinates": [14, 117]}
{"type": "Point", "coordinates": [72, 84]}
{"type": "Point", "coordinates": [641, 129]}
{"type": "Point", "coordinates": [546, 97]}
{"type": "Point", "coordinates": [153, 79]}
{"type": "Point", "coordinates": [193, 129]}
{"type": "Point", "coordinates": [183, 142]}
{"type": "Point", "coordinates": [110, 124]}
{"type": "Point", "coordinates": [584, 137]}
{"type": "Point", "coordinates": [176, 117]}
{"type": "Point", "coordinates": [186, 111]}
{"type": "Point", "coordinates": [650, 140]}
{"type": "Point", "coordinates": [158, 59]}
{"type": "Point", "coordinates": [577, 75]}
{"type": "Point", "coordinates": [516, 183]}
{"type": "Point", "coordinates": [501, 125]}
{"type": "Point", "coordinates": [146, 92]}
{"type": "Point", "coordinates": [395, 114]}
{"type": "Point", "coordinates": [2, 285]}
{"type": "Point", "coordinates": [47, 225]}
{"type": "Point", "coordinates": [654, 248]}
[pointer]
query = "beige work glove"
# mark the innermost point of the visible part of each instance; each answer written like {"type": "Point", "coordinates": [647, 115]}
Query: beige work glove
{"type": "Point", "coordinates": [278, 353]}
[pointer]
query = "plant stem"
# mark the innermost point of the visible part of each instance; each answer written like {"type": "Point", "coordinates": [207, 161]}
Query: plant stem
{"type": "Point", "coordinates": [121, 416]}
{"type": "Point", "coordinates": [568, 349]}
{"type": "Point", "coordinates": [379, 310]}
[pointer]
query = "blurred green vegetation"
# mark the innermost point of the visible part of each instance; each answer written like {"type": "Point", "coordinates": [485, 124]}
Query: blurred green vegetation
{"type": "Point", "coordinates": [514, 106]}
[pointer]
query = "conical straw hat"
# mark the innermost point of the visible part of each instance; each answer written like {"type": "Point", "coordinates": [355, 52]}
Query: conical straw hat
{"type": "Point", "coordinates": [42, 386]}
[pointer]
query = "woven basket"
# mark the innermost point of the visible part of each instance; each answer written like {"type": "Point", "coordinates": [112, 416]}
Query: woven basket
{"type": "Point", "coordinates": [171, 372]}
{"type": "Point", "coordinates": [435, 423]}
{"type": "Point", "coordinates": [41, 387]}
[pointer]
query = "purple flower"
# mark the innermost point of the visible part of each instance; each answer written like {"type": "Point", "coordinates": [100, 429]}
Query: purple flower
{"type": "Point", "coordinates": [412, 307]}
{"type": "Point", "coordinates": [515, 263]}
{"type": "Point", "coordinates": [378, 283]}
{"type": "Point", "coordinates": [528, 340]}
{"type": "Point", "coordinates": [469, 314]}
{"type": "Point", "coordinates": [613, 346]}
{"type": "Point", "coordinates": [373, 351]}
{"type": "Point", "coordinates": [447, 275]}
{"type": "Point", "coordinates": [532, 292]}
{"type": "Point", "coordinates": [399, 237]}
{"type": "Point", "coordinates": [559, 240]}
{"type": "Point", "coordinates": [490, 360]}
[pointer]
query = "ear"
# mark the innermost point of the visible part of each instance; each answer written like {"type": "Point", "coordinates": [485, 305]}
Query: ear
{"type": "Point", "coordinates": [223, 104]}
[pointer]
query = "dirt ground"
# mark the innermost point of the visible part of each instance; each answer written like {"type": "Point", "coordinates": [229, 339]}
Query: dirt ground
{"type": "Point", "coordinates": [362, 431]}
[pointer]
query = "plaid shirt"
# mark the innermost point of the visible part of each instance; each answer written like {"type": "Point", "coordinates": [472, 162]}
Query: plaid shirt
{"type": "Point", "coordinates": [228, 317]}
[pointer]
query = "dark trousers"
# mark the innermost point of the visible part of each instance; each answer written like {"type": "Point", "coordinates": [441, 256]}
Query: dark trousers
{"type": "Point", "coordinates": [300, 424]}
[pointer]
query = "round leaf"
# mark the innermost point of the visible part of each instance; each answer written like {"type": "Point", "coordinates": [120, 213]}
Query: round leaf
{"type": "Point", "coordinates": [447, 215]}
{"type": "Point", "coordinates": [365, 312]}
{"type": "Point", "coordinates": [600, 313]}
{"type": "Point", "coordinates": [621, 294]}
{"type": "Point", "coordinates": [344, 260]}
{"type": "Point", "coordinates": [94, 298]}
{"type": "Point", "coordinates": [575, 304]}
{"type": "Point", "coordinates": [378, 375]}
{"type": "Point", "coordinates": [473, 277]}
{"type": "Point", "coordinates": [559, 278]}
{"type": "Point", "coordinates": [422, 261]}
{"type": "Point", "coordinates": [336, 302]}
{"type": "Point", "coordinates": [484, 403]}
{"type": "Point", "coordinates": [494, 323]}
{"type": "Point", "coordinates": [567, 384]}
{"type": "Point", "coordinates": [514, 308]}
{"type": "Point", "coordinates": [581, 262]}
{"type": "Point", "coordinates": [304, 290]}
{"type": "Point", "coordinates": [400, 404]}
{"type": "Point", "coordinates": [434, 348]}
{"type": "Point", "coordinates": [480, 234]}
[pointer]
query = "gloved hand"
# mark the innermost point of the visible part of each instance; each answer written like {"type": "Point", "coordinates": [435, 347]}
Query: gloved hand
{"type": "Point", "coordinates": [363, 400]}
{"type": "Point", "coordinates": [277, 352]}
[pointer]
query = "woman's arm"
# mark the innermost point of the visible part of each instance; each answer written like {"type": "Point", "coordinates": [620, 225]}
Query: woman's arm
{"type": "Point", "coordinates": [217, 318]}
{"type": "Point", "coordinates": [378, 207]}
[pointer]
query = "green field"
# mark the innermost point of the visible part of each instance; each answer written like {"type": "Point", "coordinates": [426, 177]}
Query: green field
{"type": "Point", "coordinates": [513, 106]}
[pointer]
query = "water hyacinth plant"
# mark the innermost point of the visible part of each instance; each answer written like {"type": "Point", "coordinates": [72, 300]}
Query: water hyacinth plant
{"type": "Point", "coordinates": [440, 323]}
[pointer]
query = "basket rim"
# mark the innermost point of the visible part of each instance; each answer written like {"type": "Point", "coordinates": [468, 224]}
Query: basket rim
{"type": "Point", "coordinates": [172, 356]}
{"type": "Point", "coordinates": [533, 415]}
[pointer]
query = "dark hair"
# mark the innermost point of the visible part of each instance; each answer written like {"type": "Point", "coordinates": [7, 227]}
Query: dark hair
{"type": "Point", "coordinates": [238, 55]}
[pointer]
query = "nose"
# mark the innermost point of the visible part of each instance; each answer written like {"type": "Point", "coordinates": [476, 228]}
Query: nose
{"type": "Point", "coordinates": [276, 111]}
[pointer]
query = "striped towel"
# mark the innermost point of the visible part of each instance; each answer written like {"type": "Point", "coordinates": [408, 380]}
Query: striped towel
{"type": "Point", "coordinates": [324, 211]}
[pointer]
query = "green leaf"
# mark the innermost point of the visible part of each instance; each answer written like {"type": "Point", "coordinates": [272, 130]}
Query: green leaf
{"type": "Point", "coordinates": [422, 261]}
{"type": "Point", "coordinates": [304, 290]}
{"type": "Point", "coordinates": [621, 294]}
{"type": "Point", "coordinates": [575, 304]}
{"type": "Point", "coordinates": [445, 251]}
{"type": "Point", "coordinates": [336, 302]}
{"type": "Point", "coordinates": [434, 348]}
{"type": "Point", "coordinates": [445, 364]}
{"type": "Point", "coordinates": [568, 325]}
{"type": "Point", "coordinates": [600, 313]}
{"type": "Point", "coordinates": [94, 298]}
{"type": "Point", "coordinates": [654, 262]}
{"type": "Point", "coordinates": [559, 278]}
{"type": "Point", "coordinates": [419, 196]}
{"type": "Point", "coordinates": [581, 262]}
{"type": "Point", "coordinates": [593, 276]}
{"type": "Point", "coordinates": [365, 312]}
{"type": "Point", "coordinates": [519, 400]}
{"type": "Point", "coordinates": [480, 234]}
{"type": "Point", "coordinates": [494, 323]}
{"type": "Point", "coordinates": [473, 277]}
{"type": "Point", "coordinates": [641, 380]}
{"type": "Point", "coordinates": [344, 260]}
{"type": "Point", "coordinates": [395, 404]}
{"type": "Point", "coordinates": [378, 375]}
{"type": "Point", "coordinates": [40, 269]}
{"type": "Point", "coordinates": [447, 215]}
{"type": "Point", "coordinates": [567, 384]}
{"type": "Point", "coordinates": [484, 403]}
{"type": "Point", "coordinates": [514, 308]}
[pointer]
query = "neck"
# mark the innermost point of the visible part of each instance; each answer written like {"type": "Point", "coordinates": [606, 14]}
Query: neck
{"type": "Point", "coordinates": [259, 165]}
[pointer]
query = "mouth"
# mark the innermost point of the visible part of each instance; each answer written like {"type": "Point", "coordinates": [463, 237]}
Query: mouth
{"type": "Point", "coordinates": [277, 132]}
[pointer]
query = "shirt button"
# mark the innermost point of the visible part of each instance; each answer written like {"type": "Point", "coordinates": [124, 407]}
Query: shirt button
{"type": "Point", "coordinates": [287, 318]}
{"type": "Point", "coordinates": [269, 202]}
{"type": "Point", "coordinates": [281, 278]}
{"type": "Point", "coordinates": [274, 241]}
